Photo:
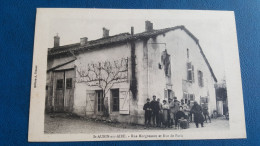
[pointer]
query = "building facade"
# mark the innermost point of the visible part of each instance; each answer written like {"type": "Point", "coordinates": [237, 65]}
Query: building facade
{"type": "Point", "coordinates": [114, 75]}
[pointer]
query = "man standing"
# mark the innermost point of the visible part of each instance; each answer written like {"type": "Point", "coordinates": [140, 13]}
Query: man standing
{"type": "Point", "coordinates": [148, 111]}
{"type": "Point", "coordinates": [174, 108]}
{"type": "Point", "coordinates": [155, 111]}
{"type": "Point", "coordinates": [198, 117]}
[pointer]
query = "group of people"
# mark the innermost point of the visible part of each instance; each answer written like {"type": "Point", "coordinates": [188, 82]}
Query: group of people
{"type": "Point", "coordinates": [168, 114]}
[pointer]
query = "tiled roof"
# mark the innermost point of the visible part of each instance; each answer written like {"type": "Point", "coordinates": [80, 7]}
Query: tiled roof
{"type": "Point", "coordinates": [90, 44]}
{"type": "Point", "coordinates": [125, 37]}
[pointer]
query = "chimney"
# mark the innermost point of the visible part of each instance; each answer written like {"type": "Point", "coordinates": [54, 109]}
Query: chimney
{"type": "Point", "coordinates": [148, 26]}
{"type": "Point", "coordinates": [56, 41]}
{"type": "Point", "coordinates": [105, 32]}
{"type": "Point", "coordinates": [83, 41]}
{"type": "Point", "coordinates": [132, 30]}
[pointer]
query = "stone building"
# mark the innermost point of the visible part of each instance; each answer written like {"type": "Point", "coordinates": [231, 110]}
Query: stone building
{"type": "Point", "coordinates": [114, 75]}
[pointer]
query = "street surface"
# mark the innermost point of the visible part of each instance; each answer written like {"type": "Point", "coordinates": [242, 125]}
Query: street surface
{"type": "Point", "coordinates": [62, 123]}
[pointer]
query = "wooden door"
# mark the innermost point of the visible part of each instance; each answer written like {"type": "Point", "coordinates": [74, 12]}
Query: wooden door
{"type": "Point", "coordinates": [59, 92]}
{"type": "Point", "coordinates": [90, 102]}
{"type": "Point", "coordinates": [69, 90]}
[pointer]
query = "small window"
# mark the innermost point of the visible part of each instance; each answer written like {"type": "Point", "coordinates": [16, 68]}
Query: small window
{"type": "Point", "coordinates": [68, 83]}
{"type": "Point", "coordinates": [192, 97]}
{"type": "Point", "coordinates": [188, 53]}
{"type": "Point", "coordinates": [200, 78]}
{"type": "Point", "coordinates": [190, 72]}
{"type": "Point", "coordinates": [59, 84]}
{"type": "Point", "coordinates": [160, 66]}
{"type": "Point", "coordinates": [115, 99]}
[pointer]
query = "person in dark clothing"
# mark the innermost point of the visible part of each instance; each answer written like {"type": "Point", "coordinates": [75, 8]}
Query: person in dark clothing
{"type": "Point", "coordinates": [160, 114]}
{"type": "Point", "coordinates": [155, 111]}
{"type": "Point", "coordinates": [206, 112]}
{"type": "Point", "coordinates": [148, 112]}
{"type": "Point", "coordinates": [189, 113]}
{"type": "Point", "coordinates": [180, 114]}
{"type": "Point", "coordinates": [198, 117]}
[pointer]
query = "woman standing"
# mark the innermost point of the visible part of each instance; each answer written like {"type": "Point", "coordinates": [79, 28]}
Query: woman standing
{"type": "Point", "coordinates": [165, 108]}
{"type": "Point", "coordinates": [198, 117]}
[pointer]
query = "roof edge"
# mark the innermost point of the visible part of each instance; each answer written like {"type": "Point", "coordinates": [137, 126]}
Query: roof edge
{"type": "Point", "coordinates": [201, 51]}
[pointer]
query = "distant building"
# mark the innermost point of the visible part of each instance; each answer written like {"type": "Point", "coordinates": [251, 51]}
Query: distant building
{"type": "Point", "coordinates": [221, 97]}
{"type": "Point", "coordinates": [114, 75]}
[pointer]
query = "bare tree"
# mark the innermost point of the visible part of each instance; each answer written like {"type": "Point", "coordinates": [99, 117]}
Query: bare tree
{"type": "Point", "coordinates": [103, 75]}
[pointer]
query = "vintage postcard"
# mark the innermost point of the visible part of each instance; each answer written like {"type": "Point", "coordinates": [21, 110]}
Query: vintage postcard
{"type": "Point", "coordinates": [114, 74]}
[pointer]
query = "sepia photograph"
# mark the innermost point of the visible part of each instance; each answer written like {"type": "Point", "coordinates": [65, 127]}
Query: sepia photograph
{"type": "Point", "coordinates": [135, 75]}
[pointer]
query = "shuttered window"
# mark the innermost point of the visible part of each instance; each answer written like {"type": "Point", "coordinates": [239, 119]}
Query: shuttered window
{"type": "Point", "coordinates": [192, 97]}
{"type": "Point", "coordinates": [200, 78]}
{"type": "Point", "coordinates": [100, 100]}
{"type": "Point", "coordinates": [190, 72]}
{"type": "Point", "coordinates": [115, 99]}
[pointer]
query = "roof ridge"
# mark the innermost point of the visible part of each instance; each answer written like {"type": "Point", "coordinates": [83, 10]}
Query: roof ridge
{"type": "Point", "coordinates": [128, 37]}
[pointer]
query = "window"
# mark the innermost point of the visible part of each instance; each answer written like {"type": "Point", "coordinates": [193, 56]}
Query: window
{"type": "Point", "coordinates": [188, 97]}
{"type": "Point", "coordinates": [200, 78]}
{"type": "Point", "coordinates": [115, 99]}
{"type": "Point", "coordinates": [68, 83]}
{"type": "Point", "coordinates": [170, 94]}
{"type": "Point", "coordinates": [100, 100]}
{"type": "Point", "coordinates": [192, 97]}
{"type": "Point", "coordinates": [190, 72]}
{"type": "Point", "coordinates": [204, 100]}
{"type": "Point", "coordinates": [188, 53]}
{"type": "Point", "coordinates": [59, 84]}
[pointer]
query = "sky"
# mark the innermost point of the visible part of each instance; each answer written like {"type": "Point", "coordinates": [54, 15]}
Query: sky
{"type": "Point", "coordinates": [207, 26]}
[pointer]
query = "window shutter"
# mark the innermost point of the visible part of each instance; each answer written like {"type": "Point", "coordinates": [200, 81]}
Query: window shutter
{"type": "Point", "coordinates": [184, 95]}
{"type": "Point", "coordinates": [165, 94]}
{"type": "Point", "coordinates": [193, 79]}
{"type": "Point", "coordinates": [124, 101]}
{"type": "Point", "coordinates": [202, 82]}
{"type": "Point", "coordinates": [189, 71]}
{"type": "Point", "coordinates": [189, 66]}
{"type": "Point", "coordinates": [90, 102]}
